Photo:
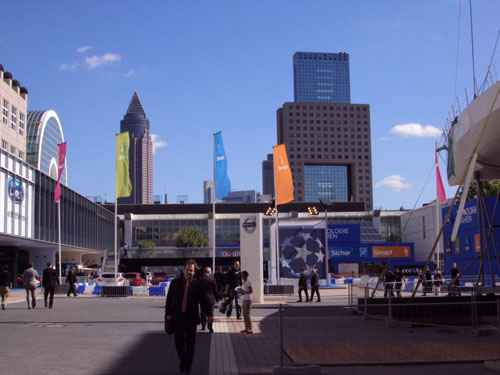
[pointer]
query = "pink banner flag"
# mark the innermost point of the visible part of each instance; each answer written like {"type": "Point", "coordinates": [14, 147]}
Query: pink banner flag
{"type": "Point", "coordinates": [60, 169]}
{"type": "Point", "coordinates": [441, 194]}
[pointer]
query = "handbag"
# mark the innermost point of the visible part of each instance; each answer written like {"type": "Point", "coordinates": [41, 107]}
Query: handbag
{"type": "Point", "coordinates": [169, 324]}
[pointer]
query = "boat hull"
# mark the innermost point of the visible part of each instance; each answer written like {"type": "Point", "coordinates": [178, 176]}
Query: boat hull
{"type": "Point", "coordinates": [478, 125]}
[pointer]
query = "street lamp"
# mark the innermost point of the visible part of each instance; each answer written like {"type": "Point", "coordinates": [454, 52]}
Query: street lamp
{"type": "Point", "coordinates": [313, 210]}
{"type": "Point", "coordinates": [325, 204]}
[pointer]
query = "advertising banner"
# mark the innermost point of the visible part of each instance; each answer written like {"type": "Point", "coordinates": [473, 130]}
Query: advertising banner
{"type": "Point", "coordinates": [343, 233]}
{"type": "Point", "coordinates": [301, 250]}
{"type": "Point", "coordinates": [391, 251]}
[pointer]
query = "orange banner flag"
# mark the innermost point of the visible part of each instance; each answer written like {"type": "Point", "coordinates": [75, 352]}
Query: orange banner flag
{"type": "Point", "coordinates": [283, 182]}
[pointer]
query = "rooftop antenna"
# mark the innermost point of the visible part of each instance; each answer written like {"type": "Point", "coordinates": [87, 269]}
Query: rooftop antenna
{"type": "Point", "coordinates": [473, 54]}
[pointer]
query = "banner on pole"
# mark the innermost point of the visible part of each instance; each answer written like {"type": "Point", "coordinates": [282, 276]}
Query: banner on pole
{"type": "Point", "coordinates": [282, 175]}
{"type": "Point", "coordinates": [61, 161]}
{"type": "Point", "coordinates": [222, 181]}
{"type": "Point", "coordinates": [440, 192]}
{"type": "Point", "coordinates": [123, 184]}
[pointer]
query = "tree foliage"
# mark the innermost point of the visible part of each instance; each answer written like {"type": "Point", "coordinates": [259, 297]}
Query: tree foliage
{"type": "Point", "coordinates": [146, 244]}
{"type": "Point", "coordinates": [191, 237]}
{"type": "Point", "coordinates": [491, 189]}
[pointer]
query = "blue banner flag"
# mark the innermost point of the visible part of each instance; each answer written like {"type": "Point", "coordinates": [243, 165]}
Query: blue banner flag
{"type": "Point", "coordinates": [222, 182]}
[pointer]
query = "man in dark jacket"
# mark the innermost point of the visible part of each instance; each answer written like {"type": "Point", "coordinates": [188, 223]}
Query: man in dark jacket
{"type": "Point", "coordinates": [233, 279]}
{"type": "Point", "coordinates": [303, 287]}
{"type": "Point", "coordinates": [71, 280]}
{"type": "Point", "coordinates": [184, 299]}
{"type": "Point", "coordinates": [209, 293]}
{"type": "Point", "coordinates": [315, 286]}
{"type": "Point", "coordinates": [49, 283]}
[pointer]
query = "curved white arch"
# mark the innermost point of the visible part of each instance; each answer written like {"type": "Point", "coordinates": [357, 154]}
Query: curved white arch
{"type": "Point", "coordinates": [47, 115]}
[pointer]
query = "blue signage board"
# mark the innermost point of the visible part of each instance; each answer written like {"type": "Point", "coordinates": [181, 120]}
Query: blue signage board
{"type": "Point", "coordinates": [343, 233]}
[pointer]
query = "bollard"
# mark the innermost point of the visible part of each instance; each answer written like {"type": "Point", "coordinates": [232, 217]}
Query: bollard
{"type": "Point", "coordinates": [281, 335]}
{"type": "Point", "coordinates": [365, 314]}
{"type": "Point", "coordinates": [498, 313]}
{"type": "Point", "coordinates": [389, 310]}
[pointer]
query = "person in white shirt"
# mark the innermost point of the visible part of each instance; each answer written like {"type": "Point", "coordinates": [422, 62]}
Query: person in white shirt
{"type": "Point", "coordinates": [246, 291]}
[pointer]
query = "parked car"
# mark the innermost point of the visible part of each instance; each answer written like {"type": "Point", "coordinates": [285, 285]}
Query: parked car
{"type": "Point", "coordinates": [159, 277]}
{"type": "Point", "coordinates": [134, 279]}
{"type": "Point", "coordinates": [108, 279]}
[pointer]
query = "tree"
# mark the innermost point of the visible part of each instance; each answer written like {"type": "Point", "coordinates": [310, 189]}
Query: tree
{"type": "Point", "coordinates": [146, 244]}
{"type": "Point", "coordinates": [491, 189]}
{"type": "Point", "coordinates": [191, 237]}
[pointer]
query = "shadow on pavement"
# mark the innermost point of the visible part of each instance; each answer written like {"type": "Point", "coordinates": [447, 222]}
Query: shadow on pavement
{"type": "Point", "coordinates": [154, 354]}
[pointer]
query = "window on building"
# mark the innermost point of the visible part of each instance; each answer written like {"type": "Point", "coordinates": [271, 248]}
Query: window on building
{"type": "Point", "coordinates": [5, 144]}
{"type": "Point", "coordinates": [13, 150]}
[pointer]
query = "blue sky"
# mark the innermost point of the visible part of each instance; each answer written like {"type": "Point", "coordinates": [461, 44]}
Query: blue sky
{"type": "Point", "coordinates": [201, 66]}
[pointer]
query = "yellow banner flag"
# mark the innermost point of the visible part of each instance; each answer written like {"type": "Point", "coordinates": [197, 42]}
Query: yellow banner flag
{"type": "Point", "coordinates": [283, 182]}
{"type": "Point", "coordinates": [122, 184]}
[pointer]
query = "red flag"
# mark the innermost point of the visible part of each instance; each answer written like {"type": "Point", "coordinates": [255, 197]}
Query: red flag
{"type": "Point", "coordinates": [441, 194]}
{"type": "Point", "coordinates": [60, 169]}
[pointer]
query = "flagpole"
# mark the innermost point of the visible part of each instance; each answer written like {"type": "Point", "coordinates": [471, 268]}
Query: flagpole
{"type": "Point", "coordinates": [213, 196]}
{"type": "Point", "coordinates": [277, 235]}
{"type": "Point", "coordinates": [60, 249]}
{"type": "Point", "coordinates": [438, 211]}
{"type": "Point", "coordinates": [116, 237]}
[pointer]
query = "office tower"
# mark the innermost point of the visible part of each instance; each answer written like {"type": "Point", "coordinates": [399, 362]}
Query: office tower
{"type": "Point", "coordinates": [321, 77]}
{"type": "Point", "coordinates": [136, 124]}
{"type": "Point", "coordinates": [268, 176]}
{"type": "Point", "coordinates": [207, 191]}
{"type": "Point", "coordinates": [329, 149]}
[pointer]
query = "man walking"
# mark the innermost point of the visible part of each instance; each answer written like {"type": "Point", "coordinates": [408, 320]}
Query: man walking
{"type": "Point", "coordinates": [209, 293]}
{"type": "Point", "coordinates": [246, 291]}
{"type": "Point", "coordinates": [303, 287]}
{"type": "Point", "coordinates": [49, 283]}
{"type": "Point", "coordinates": [315, 285]}
{"type": "Point", "coordinates": [389, 279]}
{"type": "Point", "coordinates": [455, 281]}
{"type": "Point", "coordinates": [183, 314]}
{"type": "Point", "coordinates": [398, 281]}
{"type": "Point", "coordinates": [71, 280]}
{"type": "Point", "coordinates": [30, 283]}
{"type": "Point", "coordinates": [233, 281]}
{"type": "Point", "coordinates": [4, 285]}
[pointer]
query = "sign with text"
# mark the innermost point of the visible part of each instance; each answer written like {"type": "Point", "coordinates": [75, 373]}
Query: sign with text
{"type": "Point", "coordinates": [391, 251]}
{"type": "Point", "coordinates": [343, 233]}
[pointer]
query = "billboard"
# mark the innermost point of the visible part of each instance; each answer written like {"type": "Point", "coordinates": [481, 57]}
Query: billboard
{"type": "Point", "coordinates": [391, 251]}
{"type": "Point", "coordinates": [302, 249]}
{"type": "Point", "coordinates": [343, 233]}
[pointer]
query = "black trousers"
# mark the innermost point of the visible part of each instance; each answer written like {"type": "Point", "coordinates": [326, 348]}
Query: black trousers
{"type": "Point", "coordinates": [48, 293]}
{"type": "Point", "coordinates": [207, 318]}
{"type": "Point", "coordinates": [236, 298]}
{"type": "Point", "coordinates": [315, 289]}
{"type": "Point", "coordinates": [72, 289]}
{"type": "Point", "coordinates": [300, 294]}
{"type": "Point", "coordinates": [185, 339]}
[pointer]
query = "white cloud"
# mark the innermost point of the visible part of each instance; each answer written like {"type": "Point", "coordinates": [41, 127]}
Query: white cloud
{"type": "Point", "coordinates": [415, 130]}
{"type": "Point", "coordinates": [96, 61]}
{"type": "Point", "coordinates": [83, 49]}
{"type": "Point", "coordinates": [394, 182]}
{"type": "Point", "coordinates": [158, 142]}
{"type": "Point", "coordinates": [130, 73]}
{"type": "Point", "coordinates": [68, 67]}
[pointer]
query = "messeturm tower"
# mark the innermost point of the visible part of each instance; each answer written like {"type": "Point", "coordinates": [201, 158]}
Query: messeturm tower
{"type": "Point", "coordinates": [136, 124]}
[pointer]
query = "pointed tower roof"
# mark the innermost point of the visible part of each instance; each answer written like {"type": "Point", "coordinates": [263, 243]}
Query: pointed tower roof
{"type": "Point", "coordinates": [135, 105]}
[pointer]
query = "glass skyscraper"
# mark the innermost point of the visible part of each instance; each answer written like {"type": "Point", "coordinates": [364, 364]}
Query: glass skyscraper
{"type": "Point", "coordinates": [321, 77]}
{"type": "Point", "coordinates": [326, 182]}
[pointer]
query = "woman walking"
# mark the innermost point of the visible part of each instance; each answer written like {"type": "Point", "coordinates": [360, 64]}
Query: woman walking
{"type": "Point", "coordinates": [30, 283]}
{"type": "Point", "coordinates": [246, 291]}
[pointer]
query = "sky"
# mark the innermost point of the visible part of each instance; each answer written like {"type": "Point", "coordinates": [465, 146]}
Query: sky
{"type": "Point", "coordinates": [202, 66]}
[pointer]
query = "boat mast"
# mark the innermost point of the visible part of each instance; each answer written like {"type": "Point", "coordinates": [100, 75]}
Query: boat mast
{"type": "Point", "coordinates": [473, 54]}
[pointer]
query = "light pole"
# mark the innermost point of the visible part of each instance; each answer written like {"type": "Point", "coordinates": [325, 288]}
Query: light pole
{"type": "Point", "coordinates": [325, 204]}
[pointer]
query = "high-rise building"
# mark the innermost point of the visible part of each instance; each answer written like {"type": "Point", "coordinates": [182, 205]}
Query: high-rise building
{"type": "Point", "coordinates": [241, 196]}
{"type": "Point", "coordinates": [321, 77]}
{"type": "Point", "coordinates": [13, 115]}
{"type": "Point", "coordinates": [136, 124]}
{"type": "Point", "coordinates": [329, 149]}
{"type": "Point", "coordinates": [268, 176]}
{"type": "Point", "coordinates": [207, 191]}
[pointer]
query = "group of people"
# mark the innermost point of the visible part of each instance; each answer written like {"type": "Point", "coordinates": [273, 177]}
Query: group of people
{"type": "Point", "coordinates": [190, 302]}
{"type": "Point", "coordinates": [314, 286]}
{"type": "Point", "coordinates": [430, 281]}
{"type": "Point", "coordinates": [30, 281]}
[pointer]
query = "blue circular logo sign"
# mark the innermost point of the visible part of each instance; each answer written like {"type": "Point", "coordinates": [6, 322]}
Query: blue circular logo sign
{"type": "Point", "coordinates": [15, 190]}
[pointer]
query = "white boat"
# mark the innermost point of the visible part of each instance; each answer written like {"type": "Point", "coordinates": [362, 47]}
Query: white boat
{"type": "Point", "coordinates": [477, 126]}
